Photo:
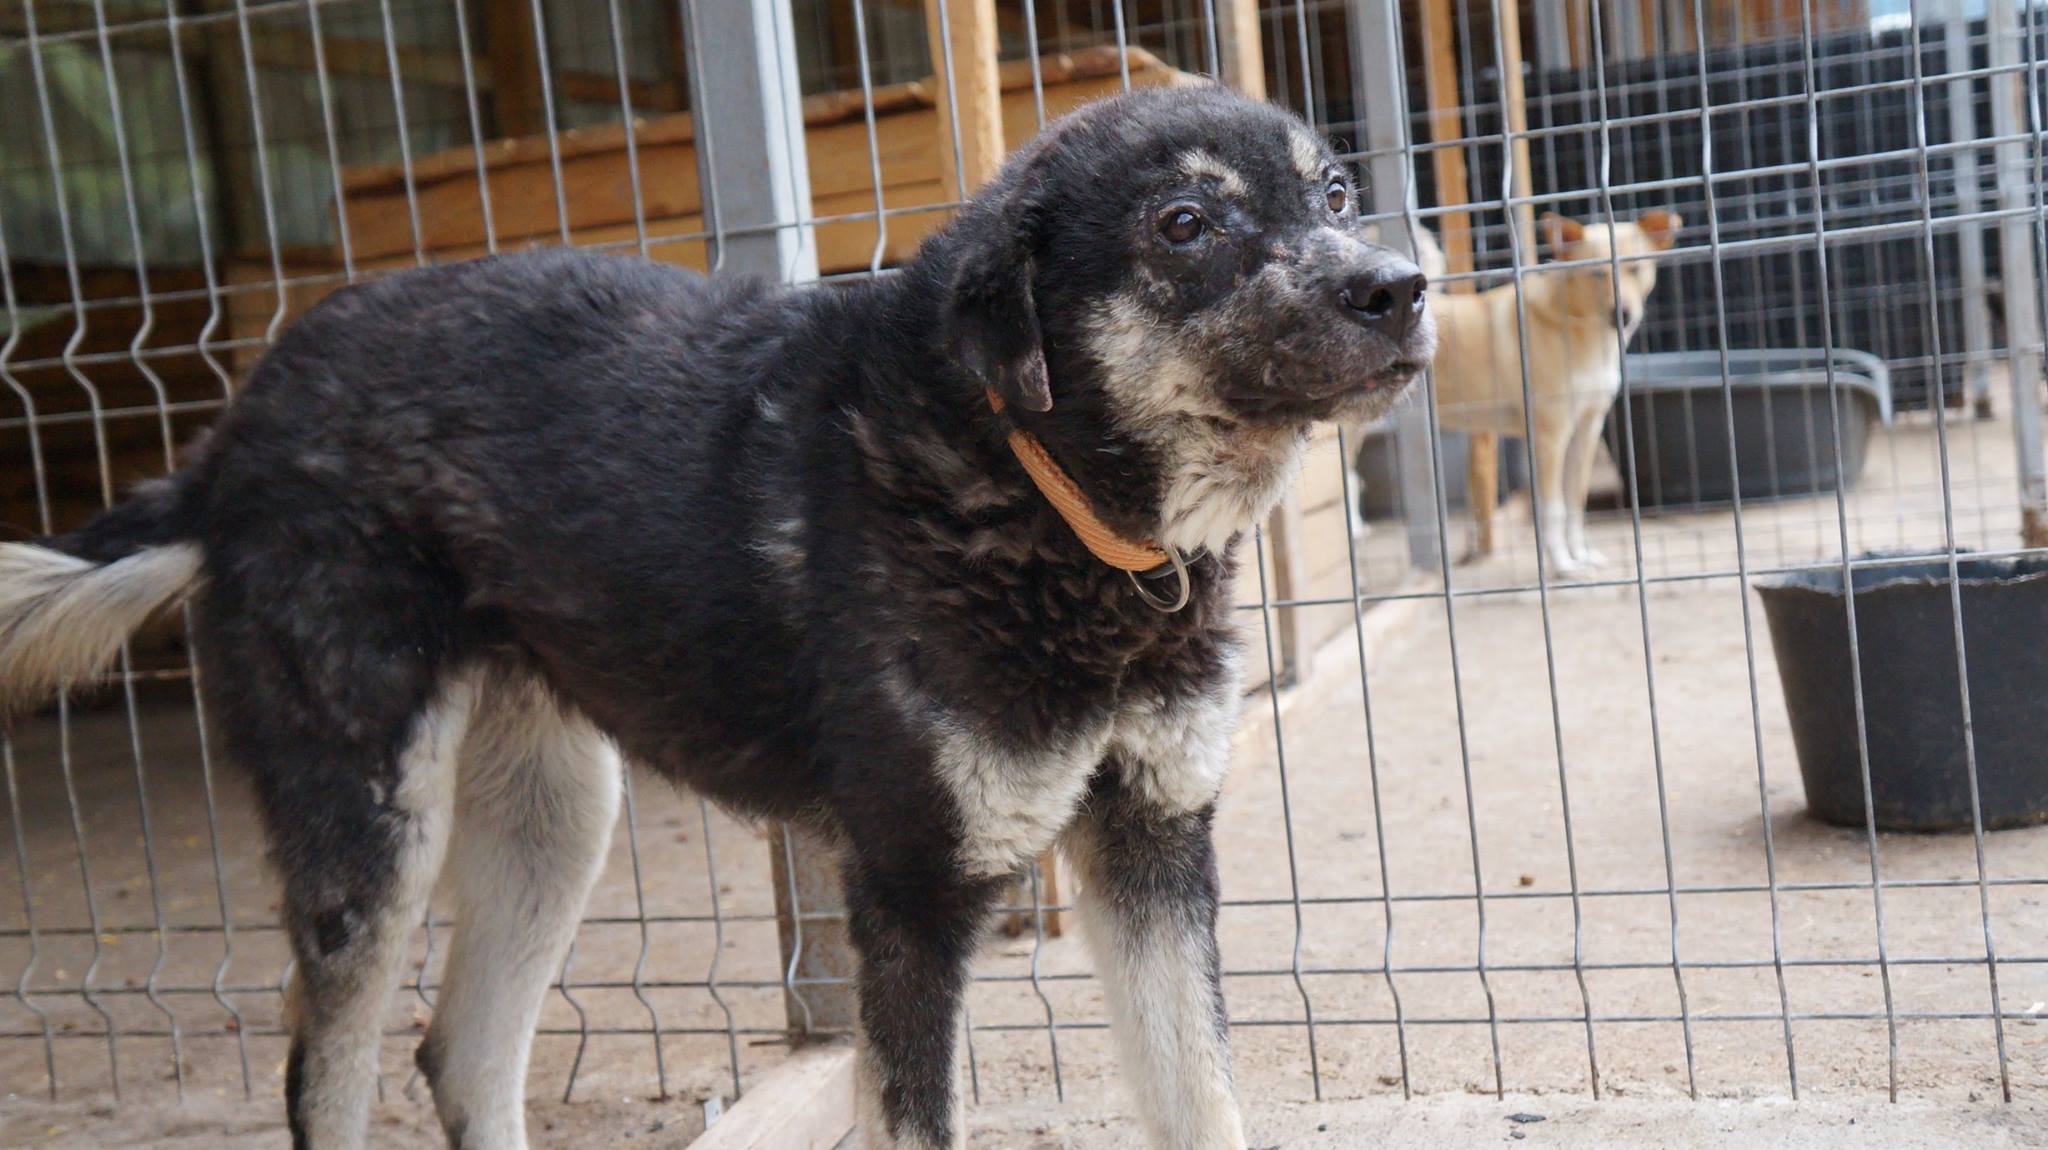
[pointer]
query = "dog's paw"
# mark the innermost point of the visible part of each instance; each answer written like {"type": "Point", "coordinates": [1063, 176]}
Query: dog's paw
{"type": "Point", "coordinates": [1589, 558]}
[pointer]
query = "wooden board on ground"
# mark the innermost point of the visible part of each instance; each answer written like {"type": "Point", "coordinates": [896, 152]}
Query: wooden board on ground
{"type": "Point", "coordinates": [807, 1103]}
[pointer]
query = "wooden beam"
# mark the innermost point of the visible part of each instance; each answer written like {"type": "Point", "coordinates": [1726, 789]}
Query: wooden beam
{"type": "Point", "coordinates": [224, 106]}
{"type": "Point", "coordinates": [1454, 230]}
{"type": "Point", "coordinates": [1440, 91]}
{"type": "Point", "coordinates": [1515, 97]}
{"type": "Point", "coordinates": [1241, 49]}
{"type": "Point", "coordinates": [807, 1103]}
{"type": "Point", "coordinates": [842, 42]}
{"type": "Point", "coordinates": [287, 49]}
{"type": "Point", "coordinates": [291, 49]}
{"type": "Point", "coordinates": [603, 88]}
{"type": "Point", "coordinates": [973, 99]}
{"type": "Point", "coordinates": [516, 105]}
{"type": "Point", "coordinates": [810, 926]}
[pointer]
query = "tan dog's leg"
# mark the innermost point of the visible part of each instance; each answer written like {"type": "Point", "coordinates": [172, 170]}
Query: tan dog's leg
{"type": "Point", "coordinates": [1579, 460]}
{"type": "Point", "coordinates": [1482, 491]}
{"type": "Point", "coordinates": [1554, 425]}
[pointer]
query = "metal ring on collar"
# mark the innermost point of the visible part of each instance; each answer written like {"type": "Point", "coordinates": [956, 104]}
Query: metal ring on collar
{"type": "Point", "coordinates": [1160, 602]}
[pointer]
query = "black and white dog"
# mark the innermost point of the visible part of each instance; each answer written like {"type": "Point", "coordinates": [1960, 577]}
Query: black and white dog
{"type": "Point", "coordinates": [472, 535]}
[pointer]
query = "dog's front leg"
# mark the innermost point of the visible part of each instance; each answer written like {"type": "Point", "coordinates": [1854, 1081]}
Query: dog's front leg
{"type": "Point", "coordinates": [1148, 910]}
{"type": "Point", "coordinates": [1549, 451]}
{"type": "Point", "coordinates": [915, 924]}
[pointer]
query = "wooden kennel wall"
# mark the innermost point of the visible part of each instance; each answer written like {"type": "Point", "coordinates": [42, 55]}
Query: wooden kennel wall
{"type": "Point", "coordinates": [598, 190]}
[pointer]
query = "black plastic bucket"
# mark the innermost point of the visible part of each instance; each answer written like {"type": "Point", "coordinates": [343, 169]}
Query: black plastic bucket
{"type": "Point", "coordinates": [1905, 632]}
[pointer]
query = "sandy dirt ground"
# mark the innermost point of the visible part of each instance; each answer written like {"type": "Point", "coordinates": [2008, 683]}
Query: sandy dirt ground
{"type": "Point", "coordinates": [1324, 817]}
{"type": "Point", "coordinates": [1536, 1122]}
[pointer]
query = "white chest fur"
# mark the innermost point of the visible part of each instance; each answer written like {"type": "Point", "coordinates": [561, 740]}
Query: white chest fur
{"type": "Point", "coordinates": [1013, 802]}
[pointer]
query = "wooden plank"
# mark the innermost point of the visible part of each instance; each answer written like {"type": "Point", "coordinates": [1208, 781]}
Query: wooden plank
{"type": "Point", "coordinates": [1454, 229]}
{"type": "Point", "coordinates": [603, 88]}
{"type": "Point", "coordinates": [291, 49]}
{"type": "Point", "coordinates": [1446, 126]}
{"type": "Point", "coordinates": [224, 105]}
{"type": "Point", "coordinates": [970, 98]}
{"type": "Point", "coordinates": [600, 195]}
{"type": "Point", "coordinates": [1240, 48]}
{"type": "Point", "coordinates": [1322, 475]}
{"type": "Point", "coordinates": [1516, 99]}
{"type": "Point", "coordinates": [810, 925]}
{"type": "Point", "coordinates": [820, 110]}
{"type": "Point", "coordinates": [1482, 471]}
{"type": "Point", "coordinates": [1284, 531]}
{"type": "Point", "coordinates": [807, 1103]}
{"type": "Point", "coordinates": [516, 106]}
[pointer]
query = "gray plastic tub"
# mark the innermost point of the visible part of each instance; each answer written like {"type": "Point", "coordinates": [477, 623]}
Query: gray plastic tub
{"type": "Point", "coordinates": [1784, 434]}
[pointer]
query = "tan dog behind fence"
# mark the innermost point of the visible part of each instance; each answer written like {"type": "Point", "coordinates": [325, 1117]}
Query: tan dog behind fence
{"type": "Point", "coordinates": [1578, 319]}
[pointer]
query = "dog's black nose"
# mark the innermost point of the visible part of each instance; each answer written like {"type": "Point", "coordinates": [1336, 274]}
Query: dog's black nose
{"type": "Point", "coordinates": [1386, 297]}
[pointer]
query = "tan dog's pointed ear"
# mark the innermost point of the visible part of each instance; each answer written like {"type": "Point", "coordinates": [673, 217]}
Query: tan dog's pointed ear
{"type": "Point", "coordinates": [1560, 232]}
{"type": "Point", "coordinates": [1660, 228]}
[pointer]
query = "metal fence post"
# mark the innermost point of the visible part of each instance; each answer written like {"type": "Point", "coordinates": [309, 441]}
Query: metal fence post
{"type": "Point", "coordinates": [757, 199]}
{"type": "Point", "coordinates": [750, 116]}
{"type": "Point", "coordinates": [1377, 76]}
{"type": "Point", "coordinates": [2016, 191]}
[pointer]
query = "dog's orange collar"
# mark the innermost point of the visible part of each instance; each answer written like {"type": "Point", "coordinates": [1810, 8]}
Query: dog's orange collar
{"type": "Point", "coordinates": [1071, 502]}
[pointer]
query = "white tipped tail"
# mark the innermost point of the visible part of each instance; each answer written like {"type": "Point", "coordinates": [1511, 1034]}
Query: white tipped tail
{"type": "Point", "coordinates": [63, 619]}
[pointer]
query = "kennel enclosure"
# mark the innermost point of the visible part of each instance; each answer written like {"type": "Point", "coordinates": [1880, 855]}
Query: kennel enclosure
{"type": "Point", "coordinates": [1489, 830]}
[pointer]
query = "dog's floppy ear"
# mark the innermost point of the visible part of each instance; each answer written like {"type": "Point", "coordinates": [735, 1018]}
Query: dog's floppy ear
{"type": "Point", "coordinates": [1660, 228]}
{"type": "Point", "coordinates": [991, 318]}
{"type": "Point", "coordinates": [1561, 232]}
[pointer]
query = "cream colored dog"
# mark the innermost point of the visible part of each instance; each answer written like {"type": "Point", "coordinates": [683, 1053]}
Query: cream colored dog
{"type": "Point", "coordinates": [1574, 368]}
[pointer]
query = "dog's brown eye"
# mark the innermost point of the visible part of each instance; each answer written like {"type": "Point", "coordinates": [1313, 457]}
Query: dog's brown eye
{"type": "Point", "coordinates": [1180, 226]}
{"type": "Point", "coordinates": [1338, 196]}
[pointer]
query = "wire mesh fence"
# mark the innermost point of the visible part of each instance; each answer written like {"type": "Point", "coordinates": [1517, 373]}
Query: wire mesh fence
{"type": "Point", "coordinates": [1491, 827]}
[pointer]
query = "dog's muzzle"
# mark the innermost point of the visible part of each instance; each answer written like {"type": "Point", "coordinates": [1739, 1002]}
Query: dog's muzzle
{"type": "Point", "coordinates": [1386, 293]}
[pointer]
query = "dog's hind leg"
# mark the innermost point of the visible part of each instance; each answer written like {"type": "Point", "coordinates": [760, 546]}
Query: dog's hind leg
{"type": "Point", "coordinates": [335, 677]}
{"type": "Point", "coordinates": [359, 863]}
{"type": "Point", "coordinates": [1147, 903]}
{"type": "Point", "coordinates": [537, 796]}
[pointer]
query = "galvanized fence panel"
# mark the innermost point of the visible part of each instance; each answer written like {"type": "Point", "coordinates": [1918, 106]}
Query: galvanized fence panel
{"type": "Point", "coordinates": [1409, 904]}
